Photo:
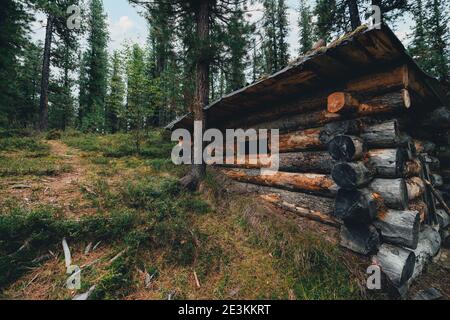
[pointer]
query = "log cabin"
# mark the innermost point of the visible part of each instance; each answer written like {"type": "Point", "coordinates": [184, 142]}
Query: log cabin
{"type": "Point", "coordinates": [361, 148]}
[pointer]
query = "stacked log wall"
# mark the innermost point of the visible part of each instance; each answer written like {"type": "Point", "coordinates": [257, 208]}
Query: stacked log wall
{"type": "Point", "coordinates": [374, 157]}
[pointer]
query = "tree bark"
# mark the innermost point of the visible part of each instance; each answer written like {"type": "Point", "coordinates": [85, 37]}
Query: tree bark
{"type": "Point", "coordinates": [43, 119]}
{"type": "Point", "coordinates": [388, 163]}
{"type": "Point", "coordinates": [354, 13]}
{"type": "Point", "coordinates": [202, 15]}
{"type": "Point", "coordinates": [383, 135]}
{"type": "Point", "coordinates": [313, 183]}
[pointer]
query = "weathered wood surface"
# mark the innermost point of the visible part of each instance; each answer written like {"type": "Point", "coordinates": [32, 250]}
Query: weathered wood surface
{"type": "Point", "coordinates": [383, 135]}
{"type": "Point", "coordinates": [315, 183]}
{"type": "Point", "coordinates": [396, 263]}
{"type": "Point", "coordinates": [388, 163]}
{"type": "Point", "coordinates": [443, 219]}
{"type": "Point", "coordinates": [428, 247]}
{"type": "Point", "coordinates": [302, 140]}
{"type": "Point", "coordinates": [386, 104]}
{"type": "Point", "coordinates": [309, 206]}
{"type": "Point", "coordinates": [346, 148]}
{"type": "Point", "coordinates": [361, 239]}
{"type": "Point", "coordinates": [317, 162]}
{"type": "Point", "coordinates": [437, 180]}
{"type": "Point", "coordinates": [399, 227]}
{"type": "Point", "coordinates": [357, 206]}
{"type": "Point", "coordinates": [351, 175]}
{"type": "Point", "coordinates": [416, 188]}
{"type": "Point", "coordinates": [393, 192]}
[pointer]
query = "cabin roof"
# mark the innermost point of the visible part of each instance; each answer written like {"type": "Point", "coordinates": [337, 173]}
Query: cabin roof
{"type": "Point", "coordinates": [355, 53]}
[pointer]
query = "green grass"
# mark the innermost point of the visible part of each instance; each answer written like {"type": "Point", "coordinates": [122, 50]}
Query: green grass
{"type": "Point", "coordinates": [13, 166]}
{"type": "Point", "coordinates": [315, 267]}
{"type": "Point", "coordinates": [154, 145]}
{"type": "Point", "coordinates": [28, 144]}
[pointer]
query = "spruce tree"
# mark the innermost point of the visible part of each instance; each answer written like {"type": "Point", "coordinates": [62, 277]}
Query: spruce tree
{"type": "Point", "coordinates": [305, 27]}
{"type": "Point", "coordinates": [438, 37]}
{"type": "Point", "coordinates": [96, 67]}
{"type": "Point", "coordinates": [114, 110]}
{"type": "Point", "coordinates": [418, 47]}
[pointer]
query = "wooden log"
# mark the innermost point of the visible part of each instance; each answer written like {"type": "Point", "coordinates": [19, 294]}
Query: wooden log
{"type": "Point", "coordinates": [385, 134]}
{"type": "Point", "coordinates": [421, 207]}
{"type": "Point", "coordinates": [424, 146]}
{"type": "Point", "coordinates": [396, 263]}
{"type": "Point", "coordinates": [438, 119]}
{"type": "Point", "coordinates": [346, 148]}
{"type": "Point", "coordinates": [416, 188]}
{"type": "Point", "coordinates": [399, 227]}
{"type": "Point", "coordinates": [388, 163]}
{"type": "Point", "coordinates": [428, 247]}
{"type": "Point", "coordinates": [317, 162]}
{"type": "Point", "coordinates": [393, 192]}
{"type": "Point", "coordinates": [356, 206]}
{"type": "Point", "coordinates": [312, 207]}
{"type": "Point", "coordinates": [314, 183]}
{"type": "Point", "coordinates": [386, 104]}
{"type": "Point", "coordinates": [302, 205]}
{"type": "Point", "coordinates": [361, 239]}
{"type": "Point", "coordinates": [443, 219]}
{"type": "Point", "coordinates": [338, 128]}
{"type": "Point", "coordinates": [413, 168]}
{"type": "Point", "coordinates": [351, 175]}
{"type": "Point", "coordinates": [301, 140]}
{"type": "Point", "coordinates": [340, 102]}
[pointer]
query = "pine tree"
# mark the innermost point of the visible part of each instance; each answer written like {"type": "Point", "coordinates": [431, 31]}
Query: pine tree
{"type": "Point", "coordinates": [138, 84]}
{"type": "Point", "coordinates": [418, 47]}
{"type": "Point", "coordinates": [28, 80]}
{"type": "Point", "coordinates": [438, 38]}
{"type": "Point", "coordinates": [96, 67]}
{"type": "Point", "coordinates": [56, 26]}
{"type": "Point", "coordinates": [14, 22]}
{"type": "Point", "coordinates": [326, 12]}
{"type": "Point", "coordinates": [237, 44]}
{"type": "Point", "coordinates": [275, 33]}
{"type": "Point", "coordinates": [115, 117]}
{"type": "Point", "coordinates": [306, 28]}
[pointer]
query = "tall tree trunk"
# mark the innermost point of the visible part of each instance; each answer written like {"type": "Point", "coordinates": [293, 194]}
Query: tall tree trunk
{"type": "Point", "coordinates": [43, 123]}
{"type": "Point", "coordinates": [354, 13]}
{"type": "Point", "coordinates": [202, 15]}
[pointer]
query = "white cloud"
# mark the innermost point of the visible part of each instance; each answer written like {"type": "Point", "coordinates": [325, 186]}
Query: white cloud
{"type": "Point", "coordinates": [125, 30]}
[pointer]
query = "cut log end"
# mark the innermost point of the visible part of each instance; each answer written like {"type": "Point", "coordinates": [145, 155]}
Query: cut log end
{"type": "Point", "coordinates": [346, 148]}
{"type": "Point", "coordinates": [397, 263]}
{"type": "Point", "coordinates": [351, 175]}
{"type": "Point", "coordinates": [356, 206]}
{"type": "Point", "coordinates": [339, 102]}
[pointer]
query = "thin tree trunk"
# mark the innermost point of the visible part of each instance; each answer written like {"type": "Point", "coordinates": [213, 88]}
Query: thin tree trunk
{"type": "Point", "coordinates": [43, 123]}
{"type": "Point", "coordinates": [354, 13]}
{"type": "Point", "coordinates": [202, 85]}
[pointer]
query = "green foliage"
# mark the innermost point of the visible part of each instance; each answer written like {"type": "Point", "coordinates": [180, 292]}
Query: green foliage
{"type": "Point", "coordinates": [94, 79]}
{"type": "Point", "coordinates": [115, 117]}
{"type": "Point", "coordinates": [30, 144]}
{"type": "Point", "coordinates": [276, 30]}
{"type": "Point", "coordinates": [306, 28]}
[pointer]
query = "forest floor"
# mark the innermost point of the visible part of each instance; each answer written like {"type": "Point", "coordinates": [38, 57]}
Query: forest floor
{"type": "Point", "coordinates": [136, 235]}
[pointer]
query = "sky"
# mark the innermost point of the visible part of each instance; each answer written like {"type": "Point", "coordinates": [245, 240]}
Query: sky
{"type": "Point", "coordinates": [126, 24]}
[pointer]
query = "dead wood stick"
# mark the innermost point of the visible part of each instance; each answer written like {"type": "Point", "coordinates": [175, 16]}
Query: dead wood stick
{"type": "Point", "coordinates": [438, 196]}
